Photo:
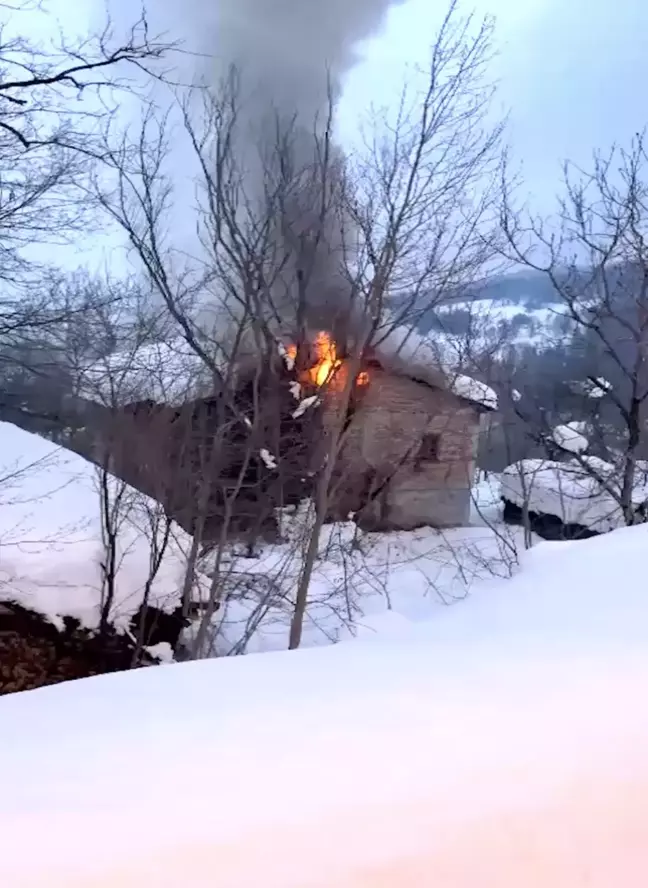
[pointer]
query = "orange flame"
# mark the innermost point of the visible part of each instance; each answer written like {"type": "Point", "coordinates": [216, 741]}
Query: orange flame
{"type": "Point", "coordinates": [326, 361]}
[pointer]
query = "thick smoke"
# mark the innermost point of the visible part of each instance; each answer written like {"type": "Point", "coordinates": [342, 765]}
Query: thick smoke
{"type": "Point", "coordinates": [291, 56]}
{"type": "Point", "coordinates": [285, 47]}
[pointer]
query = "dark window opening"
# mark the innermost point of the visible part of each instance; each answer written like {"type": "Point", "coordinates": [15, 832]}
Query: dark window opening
{"type": "Point", "coordinates": [428, 450]}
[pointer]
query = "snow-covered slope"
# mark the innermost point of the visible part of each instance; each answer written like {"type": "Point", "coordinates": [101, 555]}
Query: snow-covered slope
{"type": "Point", "coordinates": [52, 536]}
{"type": "Point", "coordinates": [492, 326]}
{"type": "Point", "coordinates": [503, 745]}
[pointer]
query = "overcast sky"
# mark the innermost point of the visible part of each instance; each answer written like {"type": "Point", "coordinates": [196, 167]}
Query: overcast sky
{"type": "Point", "coordinates": [572, 72]}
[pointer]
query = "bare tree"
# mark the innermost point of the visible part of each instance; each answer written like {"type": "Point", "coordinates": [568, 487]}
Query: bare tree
{"type": "Point", "coordinates": [58, 105]}
{"type": "Point", "coordinates": [357, 245]}
{"type": "Point", "coordinates": [421, 204]}
{"type": "Point", "coordinates": [595, 256]}
{"type": "Point", "coordinates": [56, 101]}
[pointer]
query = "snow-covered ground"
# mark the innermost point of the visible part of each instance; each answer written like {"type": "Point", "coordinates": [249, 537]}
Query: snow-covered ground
{"type": "Point", "coordinates": [362, 583]}
{"type": "Point", "coordinates": [501, 744]}
{"type": "Point", "coordinates": [497, 742]}
{"type": "Point", "coordinates": [355, 588]}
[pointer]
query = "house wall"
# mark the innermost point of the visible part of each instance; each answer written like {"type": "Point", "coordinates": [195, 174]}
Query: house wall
{"type": "Point", "coordinates": [392, 415]}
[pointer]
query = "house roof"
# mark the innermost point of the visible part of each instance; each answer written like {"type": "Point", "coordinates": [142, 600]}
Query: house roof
{"type": "Point", "coordinates": [172, 373]}
{"type": "Point", "coordinates": [402, 350]}
{"type": "Point", "coordinates": [164, 372]}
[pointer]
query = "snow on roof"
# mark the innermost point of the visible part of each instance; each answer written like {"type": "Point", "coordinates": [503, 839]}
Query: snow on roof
{"type": "Point", "coordinates": [51, 537]}
{"type": "Point", "coordinates": [165, 372]}
{"type": "Point", "coordinates": [569, 437]}
{"type": "Point", "coordinates": [569, 491]}
{"type": "Point", "coordinates": [473, 390]}
{"type": "Point", "coordinates": [405, 351]}
{"type": "Point", "coordinates": [508, 723]}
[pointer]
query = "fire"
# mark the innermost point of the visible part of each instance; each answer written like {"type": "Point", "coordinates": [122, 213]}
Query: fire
{"type": "Point", "coordinates": [326, 363]}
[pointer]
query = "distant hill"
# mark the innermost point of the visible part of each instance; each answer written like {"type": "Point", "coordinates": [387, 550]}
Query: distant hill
{"type": "Point", "coordinates": [530, 289]}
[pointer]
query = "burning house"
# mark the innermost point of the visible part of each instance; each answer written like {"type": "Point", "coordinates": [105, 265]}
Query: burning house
{"type": "Point", "coordinates": [229, 451]}
{"type": "Point", "coordinates": [408, 435]}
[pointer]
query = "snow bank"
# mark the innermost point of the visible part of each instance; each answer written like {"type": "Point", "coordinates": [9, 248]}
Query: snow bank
{"type": "Point", "coordinates": [569, 490]}
{"type": "Point", "coordinates": [51, 552]}
{"type": "Point", "coordinates": [51, 546]}
{"type": "Point", "coordinates": [486, 503]}
{"type": "Point", "coordinates": [415, 575]}
{"type": "Point", "coordinates": [502, 745]}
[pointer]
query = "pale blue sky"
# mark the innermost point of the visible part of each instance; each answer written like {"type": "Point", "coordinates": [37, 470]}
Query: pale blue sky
{"type": "Point", "coordinates": [571, 72]}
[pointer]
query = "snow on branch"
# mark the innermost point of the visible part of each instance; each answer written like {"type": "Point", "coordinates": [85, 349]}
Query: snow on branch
{"type": "Point", "coordinates": [269, 460]}
{"type": "Point", "coordinates": [306, 404]}
{"type": "Point", "coordinates": [288, 359]}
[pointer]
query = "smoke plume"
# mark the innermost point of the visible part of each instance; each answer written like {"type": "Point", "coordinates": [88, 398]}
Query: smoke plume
{"type": "Point", "coordinates": [285, 47]}
{"type": "Point", "coordinates": [292, 56]}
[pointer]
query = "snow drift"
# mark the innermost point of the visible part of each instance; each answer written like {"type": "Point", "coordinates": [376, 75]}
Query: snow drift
{"type": "Point", "coordinates": [501, 745]}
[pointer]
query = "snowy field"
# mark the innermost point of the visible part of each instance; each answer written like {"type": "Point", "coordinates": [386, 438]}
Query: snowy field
{"type": "Point", "coordinates": [362, 584]}
{"type": "Point", "coordinates": [478, 722]}
{"type": "Point", "coordinates": [502, 744]}
{"type": "Point", "coordinates": [496, 325]}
